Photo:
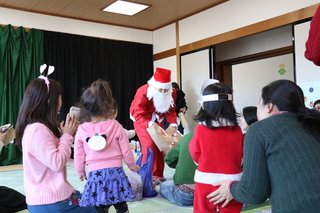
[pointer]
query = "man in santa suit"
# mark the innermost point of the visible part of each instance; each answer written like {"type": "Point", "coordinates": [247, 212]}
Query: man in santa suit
{"type": "Point", "coordinates": [152, 103]}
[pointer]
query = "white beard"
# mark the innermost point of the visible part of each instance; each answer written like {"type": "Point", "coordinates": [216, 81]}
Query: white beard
{"type": "Point", "coordinates": [162, 101]}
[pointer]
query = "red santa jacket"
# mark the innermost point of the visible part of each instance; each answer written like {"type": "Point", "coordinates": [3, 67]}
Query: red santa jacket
{"type": "Point", "coordinates": [142, 109]}
{"type": "Point", "coordinates": [218, 153]}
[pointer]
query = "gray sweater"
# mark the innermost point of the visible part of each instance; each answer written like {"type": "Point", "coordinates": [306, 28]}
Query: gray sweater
{"type": "Point", "coordinates": [282, 163]}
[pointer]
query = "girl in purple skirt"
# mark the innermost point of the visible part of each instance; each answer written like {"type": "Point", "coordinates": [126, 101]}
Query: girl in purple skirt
{"type": "Point", "coordinates": [100, 144]}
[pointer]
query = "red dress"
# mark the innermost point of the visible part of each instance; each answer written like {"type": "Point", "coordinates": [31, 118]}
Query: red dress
{"type": "Point", "coordinates": [218, 153]}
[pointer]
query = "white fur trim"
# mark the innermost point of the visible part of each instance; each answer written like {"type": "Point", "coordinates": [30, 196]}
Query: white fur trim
{"type": "Point", "coordinates": [132, 118]}
{"type": "Point", "coordinates": [174, 125]}
{"type": "Point", "coordinates": [210, 178]}
{"type": "Point", "coordinates": [150, 123]}
{"type": "Point", "coordinates": [151, 88]}
{"type": "Point", "coordinates": [160, 85]}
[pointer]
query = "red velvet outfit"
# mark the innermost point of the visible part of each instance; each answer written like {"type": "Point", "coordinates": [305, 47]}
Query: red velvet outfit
{"type": "Point", "coordinates": [142, 112]}
{"type": "Point", "coordinates": [312, 52]}
{"type": "Point", "coordinates": [218, 153]}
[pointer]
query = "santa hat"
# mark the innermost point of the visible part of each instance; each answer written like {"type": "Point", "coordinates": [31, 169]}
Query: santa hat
{"type": "Point", "coordinates": [162, 78]}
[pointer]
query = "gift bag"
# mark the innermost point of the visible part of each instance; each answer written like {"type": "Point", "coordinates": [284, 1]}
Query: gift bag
{"type": "Point", "coordinates": [136, 184]}
{"type": "Point", "coordinates": [146, 175]}
{"type": "Point", "coordinates": [160, 137]}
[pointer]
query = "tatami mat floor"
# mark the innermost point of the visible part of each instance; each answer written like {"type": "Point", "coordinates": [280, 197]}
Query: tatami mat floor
{"type": "Point", "coordinates": [12, 176]}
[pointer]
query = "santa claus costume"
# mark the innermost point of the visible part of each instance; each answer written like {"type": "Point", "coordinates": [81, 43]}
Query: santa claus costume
{"type": "Point", "coordinates": [216, 147]}
{"type": "Point", "coordinates": [148, 106]}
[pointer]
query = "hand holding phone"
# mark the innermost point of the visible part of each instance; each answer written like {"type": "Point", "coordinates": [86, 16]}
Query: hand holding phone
{"type": "Point", "coordinates": [74, 110]}
{"type": "Point", "coordinates": [5, 128]}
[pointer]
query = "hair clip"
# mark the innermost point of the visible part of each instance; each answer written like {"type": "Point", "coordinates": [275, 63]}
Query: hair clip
{"type": "Point", "coordinates": [215, 97]}
{"type": "Point", "coordinates": [45, 78]}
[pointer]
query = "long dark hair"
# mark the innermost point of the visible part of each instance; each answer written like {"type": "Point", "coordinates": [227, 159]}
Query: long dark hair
{"type": "Point", "coordinates": [250, 114]}
{"type": "Point", "coordinates": [288, 96]}
{"type": "Point", "coordinates": [39, 105]}
{"type": "Point", "coordinates": [97, 100]}
{"type": "Point", "coordinates": [217, 110]}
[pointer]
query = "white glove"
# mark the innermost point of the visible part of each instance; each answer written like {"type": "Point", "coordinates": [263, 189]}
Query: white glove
{"type": "Point", "coordinates": [150, 123]}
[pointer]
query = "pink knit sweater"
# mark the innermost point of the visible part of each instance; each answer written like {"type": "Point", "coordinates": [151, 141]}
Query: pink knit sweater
{"type": "Point", "coordinates": [44, 164]}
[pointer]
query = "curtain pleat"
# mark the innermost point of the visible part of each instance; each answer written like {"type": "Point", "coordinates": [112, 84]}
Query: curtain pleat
{"type": "Point", "coordinates": [21, 54]}
{"type": "Point", "coordinates": [80, 60]}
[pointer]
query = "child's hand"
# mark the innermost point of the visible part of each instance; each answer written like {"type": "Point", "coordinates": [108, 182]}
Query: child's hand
{"type": "Point", "coordinates": [136, 168]}
{"type": "Point", "coordinates": [70, 126]}
{"type": "Point", "coordinates": [83, 177]}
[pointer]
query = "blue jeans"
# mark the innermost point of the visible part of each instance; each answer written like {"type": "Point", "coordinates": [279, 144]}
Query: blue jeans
{"type": "Point", "coordinates": [65, 206]}
{"type": "Point", "coordinates": [176, 194]}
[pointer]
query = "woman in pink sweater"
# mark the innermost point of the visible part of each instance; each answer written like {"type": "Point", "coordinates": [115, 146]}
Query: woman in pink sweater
{"type": "Point", "coordinates": [101, 143]}
{"type": "Point", "coordinates": [46, 149]}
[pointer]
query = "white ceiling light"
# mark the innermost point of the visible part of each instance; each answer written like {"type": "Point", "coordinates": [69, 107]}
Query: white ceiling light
{"type": "Point", "coordinates": [125, 8]}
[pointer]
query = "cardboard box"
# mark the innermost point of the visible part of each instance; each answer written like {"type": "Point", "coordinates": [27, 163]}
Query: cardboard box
{"type": "Point", "coordinates": [161, 138]}
{"type": "Point", "coordinates": [164, 139]}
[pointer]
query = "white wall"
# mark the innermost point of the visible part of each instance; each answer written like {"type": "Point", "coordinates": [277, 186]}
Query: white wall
{"type": "Point", "coordinates": [249, 78]}
{"type": "Point", "coordinates": [168, 63]}
{"type": "Point", "coordinates": [165, 36]}
{"type": "Point", "coordinates": [234, 14]}
{"type": "Point", "coordinates": [57, 24]}
{"type": "Point", "coordinates": [261, 42]}
{"type": "Point", "coordinates": [307, 74]}
{"type": "Point", "coordinates": [195, 69]}
{"type": "Point", "coordinates": [218, 20]}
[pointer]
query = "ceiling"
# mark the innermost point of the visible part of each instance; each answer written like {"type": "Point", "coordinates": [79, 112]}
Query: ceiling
{"type": "Point", "coordinates": [160, 13]}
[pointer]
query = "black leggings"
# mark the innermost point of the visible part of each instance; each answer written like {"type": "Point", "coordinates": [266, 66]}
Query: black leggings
{"type": "Point", "coordinates": [121, 207]}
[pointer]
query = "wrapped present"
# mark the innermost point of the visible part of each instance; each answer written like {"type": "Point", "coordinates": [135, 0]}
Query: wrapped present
{"type": "Point", "coordinates": [160, 137]}
{"type": "Point", "coordinates": [174, 133]}
{"type": "Point", "coordinates": [164, 139]}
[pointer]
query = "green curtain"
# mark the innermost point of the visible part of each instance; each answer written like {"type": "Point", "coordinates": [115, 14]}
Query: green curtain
{"type": "Point", "coordinates": [21, 54]}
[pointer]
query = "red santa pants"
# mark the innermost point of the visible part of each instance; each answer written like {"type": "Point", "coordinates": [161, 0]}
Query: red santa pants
{"type": "Point", "coordinates": [146, 141]}
{"type": "Point", "coordinates": [201, 203]}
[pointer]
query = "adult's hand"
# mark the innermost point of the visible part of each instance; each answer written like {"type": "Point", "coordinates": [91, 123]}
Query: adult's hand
{"type": "Point", "coordinates": [2, 135]}
{"type": "Point", "coordinates": [221, 194]}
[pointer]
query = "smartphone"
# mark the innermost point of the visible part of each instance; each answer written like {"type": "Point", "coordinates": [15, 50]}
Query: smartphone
{"type": "Point", "coordinates": [6, 127]}
{"type": "Point", "coordinates": [74, 110]}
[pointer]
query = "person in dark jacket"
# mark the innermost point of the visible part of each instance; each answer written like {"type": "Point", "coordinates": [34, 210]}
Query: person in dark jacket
{"type": "Point", "coordinates": [181, 105]}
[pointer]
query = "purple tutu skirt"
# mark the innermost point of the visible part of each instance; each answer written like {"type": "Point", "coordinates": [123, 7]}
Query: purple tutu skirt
{"type": "Point", "coordinates": [106, 187]}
